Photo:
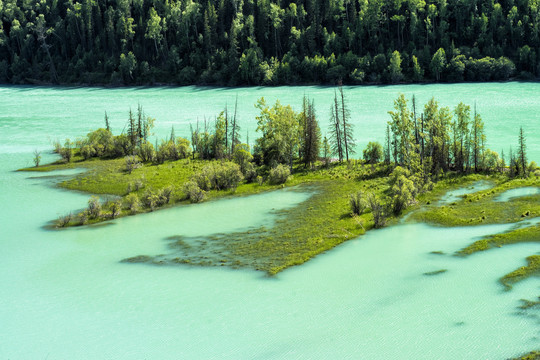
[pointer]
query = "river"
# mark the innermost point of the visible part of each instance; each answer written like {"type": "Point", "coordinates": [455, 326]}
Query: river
{"type": "Point", "coordinates": [64, 294]}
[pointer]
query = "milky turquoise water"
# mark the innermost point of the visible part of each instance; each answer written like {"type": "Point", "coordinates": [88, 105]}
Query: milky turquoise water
{"type": "Point", "coordinates": [519, 192]}
{"type": "Point", "coordinates": [64, 294]}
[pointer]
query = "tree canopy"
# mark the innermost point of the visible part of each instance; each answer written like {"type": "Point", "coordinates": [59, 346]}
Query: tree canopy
{"type": "Point", "coordinates": [231, 42]}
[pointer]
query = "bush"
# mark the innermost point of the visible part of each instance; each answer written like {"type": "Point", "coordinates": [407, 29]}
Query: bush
{"type": "Point", "coordinates": [64, 220]}
{"type": "Point", "coordinates": [146, 152]}
{"type": "Point", "coordinates": [377, 210]}
{"type": "Point", "coordinates": [94, 208]}
{"type": "Point", "coordinates": [279, 174]}
{"type": "Point", "coordinates": [132, 163]}
{"type": "Point", "coordinates": [218, 176]}
{"type": "Point", "coordinates": [373, 152]}
{"type": "Point", "coordinates": [67, 151]}
{"type": "Point", "coordinates": [193, 192]}
{"type": "Point", "coordinates": [83, 217]}
{"type": "Point", "coordinates": [115, 207]}
{"type": "Point", "coordinates": [357, 203]}
{"type": "Point", "coordinates": [132, 203]}
{"type": "Point", "coordinates": [165, 194]}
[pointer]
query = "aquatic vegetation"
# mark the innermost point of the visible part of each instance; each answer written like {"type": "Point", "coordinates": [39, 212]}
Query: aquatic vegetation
{"type": "Point", "coordinates": [528, 304]}
{"type": "Point", "coordinates": [520, 235]}
{"type": "Point", "coordinates": [436, 272]}
{"type": "Point", "coordinates": [532, 269]}
{"type": "Point", "coordinates": [300, 233]}
{"type": "Point", "coordinates": [533, 355]}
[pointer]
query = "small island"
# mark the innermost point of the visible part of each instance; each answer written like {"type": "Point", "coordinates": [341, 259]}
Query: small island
{"type": "Point", "coordinates": [426, 154]}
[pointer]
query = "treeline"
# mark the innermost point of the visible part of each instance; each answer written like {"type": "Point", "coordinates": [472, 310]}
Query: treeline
{"type": "Point", "coordinates": [232, 42]}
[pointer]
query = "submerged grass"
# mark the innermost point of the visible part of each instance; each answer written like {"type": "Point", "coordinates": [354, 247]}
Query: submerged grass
{"type": "Point", "coordinates": [480, 208]}
{"type": "Point", "coordinates": [312, 227]}
{"type": "Point", "coordinates": [524, 272]}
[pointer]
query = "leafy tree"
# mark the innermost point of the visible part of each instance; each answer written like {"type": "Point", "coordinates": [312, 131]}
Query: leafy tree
{"type": "Point", "coordinates": [395, 67]}
{"type": "Point", "coordinates": [279, 128]}
{"type": "Point", "coordinates": [373, 152]}
{"type": "Point", "coordinates": [438, 63]}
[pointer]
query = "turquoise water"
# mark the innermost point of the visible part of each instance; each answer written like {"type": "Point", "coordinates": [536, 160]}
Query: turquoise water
{"type": "Point", "coordinates": [64, 294]}
{"type": "Point", "coordinates": [59, 113]}
{"type": "Point", "coordinates": [519, 192]}
{"type": "Point", "coordinates": [456, 195]}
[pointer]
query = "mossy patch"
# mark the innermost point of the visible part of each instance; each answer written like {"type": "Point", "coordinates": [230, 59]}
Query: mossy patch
{"type": "Point", "coordinates": [524, 272]}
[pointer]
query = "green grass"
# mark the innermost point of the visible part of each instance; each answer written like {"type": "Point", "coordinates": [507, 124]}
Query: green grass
{"type": "Point", "coordinates": [318, 224]}
{"type": "Point", "coordinates": [524, 272]}
{"type": "Point", "coordinates": [527, 234]}
{"type": "Point", "coordinates": [314, 226]}
{"type": "Point", "coordinates": [533, 355]}
{"type": "Point", "coordinates": [479, 208]}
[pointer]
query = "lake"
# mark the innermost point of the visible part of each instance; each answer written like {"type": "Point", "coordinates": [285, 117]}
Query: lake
{"type": "Point", "coordinates": [65, 294]}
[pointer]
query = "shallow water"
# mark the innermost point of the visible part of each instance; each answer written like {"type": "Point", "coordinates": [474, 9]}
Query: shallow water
{"type": "Point", "coordinates": [64, 294]}
{"type": "Point", "coordinates": [57, 113]}
{"type": "Point", "coordinates": [519, 192]}
{"type": "Point", "coordinates": [456, 195]}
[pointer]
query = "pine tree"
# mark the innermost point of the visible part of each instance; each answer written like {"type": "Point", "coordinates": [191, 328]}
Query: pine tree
{"type": "Point", "coordinates": [335, 130]}
{"type": "Point", "coordinates": [107, 122]}
{"type": "Point", "coordinates": [310, 143]}
{"type": "Point", "coordinates": [477, 141]}
{"type": "Point", "coordinates": [235, 129]}
{"type": "Point", "coordinates": [522, 153]}
{"type": "Point", "coordinates": [347, 129]}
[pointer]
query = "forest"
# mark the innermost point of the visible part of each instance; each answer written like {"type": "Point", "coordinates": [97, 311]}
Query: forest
{"type": "Point", "coordinates": [267, 42]}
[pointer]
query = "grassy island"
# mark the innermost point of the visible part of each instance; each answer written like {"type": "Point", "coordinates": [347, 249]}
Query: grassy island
{"type": "Point", "coordinates": [422, 159]}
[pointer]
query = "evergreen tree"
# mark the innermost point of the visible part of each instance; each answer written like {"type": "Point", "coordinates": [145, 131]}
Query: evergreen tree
{"type": "Point", "coordinates": [522, 154]}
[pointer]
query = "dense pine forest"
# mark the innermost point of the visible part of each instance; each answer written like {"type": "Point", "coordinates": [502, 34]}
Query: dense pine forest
{"type": "Point", "coordinates": [268, 42]}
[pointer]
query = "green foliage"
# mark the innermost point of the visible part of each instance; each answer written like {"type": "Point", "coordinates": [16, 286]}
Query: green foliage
{"type": "Point", "coordinates": [37, 157]}
{"type": "Point", "coordinates": [279, 128]}
{"type": "Point", "coordinates": [358, 203]}
{"type": "Point", "coordinates": [94, 208]}
{"type": "Point", "coordinates": [245, 42]}
{"type": "Point", "coordinates": [373, 152]}
{"type": "Point", "coordinates": [64, 220]}
{"type": "Point", "coordinates": [132, 163]}
{"type": "Point", "coordinates": [218, 176]}
{"type": "Point", "coordinates": [403, 190]}
{"type": "Point", "coordinates": [278, 175]}
{"type": "Point", "coordinates": [132, 203]}
{"type": "Point", "coordinates": [193, 191]}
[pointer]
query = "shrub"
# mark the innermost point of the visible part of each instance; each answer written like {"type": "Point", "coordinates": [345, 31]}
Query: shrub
{"type": "Point", "coordinates": [250, 174]}
{"type": "Point", "coordinates": [193, 192]}
{"type": "Point", "coordinates": [94, 208]}
{"type": "Point", "coordinates": [357, 203]}
{"type": "Point", "coordinates": [165, 194]}
{"type": "Point", "coordinates": [83, 217]}
{"type": "Point", "coordinates": [279, 174]}
{"type": "Point", "coordinates": [37, 157]}
{"type": "Point", "coordinates": [132, 203]}
{"type": "Point", "coordinates": [377, 210]}
{"type": "Point", "coordinates": [132, 163]}
{"type": "Point", "coordinates": [218, 176]}
{"type": "Point", "coordinates": [67, 152]}
{"type": "Point", "coordinates": [146, 152]}
{"type": "Point", "coordinates": [64, 220]}
{"type": "Point", "coordinates": [151, 199]}
{"type": "Point", "coordinates": [115, 207]}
